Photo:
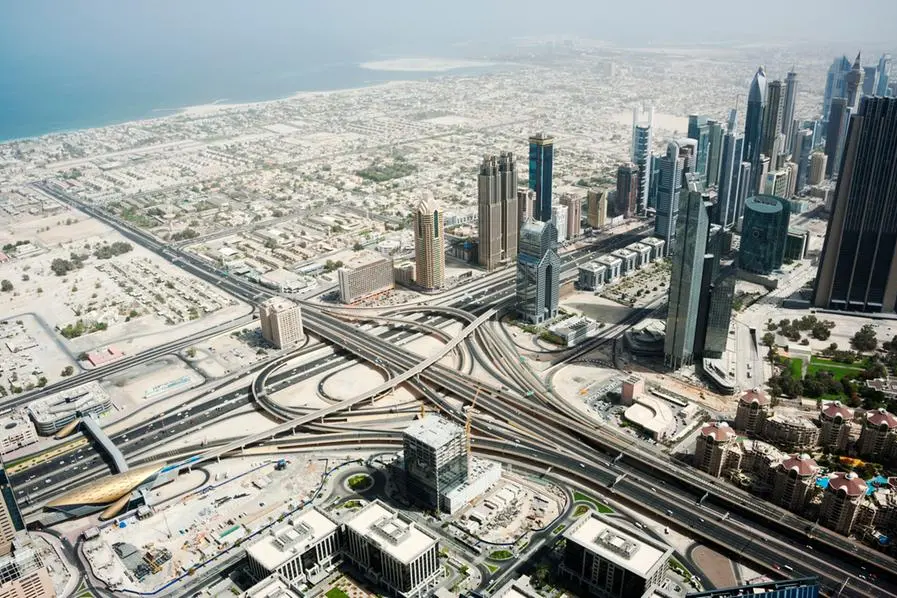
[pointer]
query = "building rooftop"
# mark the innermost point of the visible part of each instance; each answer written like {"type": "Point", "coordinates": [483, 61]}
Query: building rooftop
{"type": "Point", "coordinates": [835, 408]}
{"type": "Point", "coordinates": [719, 430]}
{"type": "Point", "coordinates": [606, 538]}
{"type": "Point", "coordinates": [593, 266]}
{"type": "Point", "coordinates": [290, 539]}
{"type": "Point", "coordinates": [270, 587]}
{"type": "Point", "coordinates": [609, 260]}
{"type": "Point", "coordinates": [71, 402]}
{"type": "Point", "coordinates": [849, 483]}
{"type": "Point", "coordinates": [395, 535]}
{"type": "Point", "coordinates": [278, 304]}
{"type": "Point", "coordinates": [795, 421]}
{"type": "Point", "coordinates": [624, 253]}
{"type": "Point", "coordinates": [755, 395]}
{"type": "Point", "coordinates": [803, 464]}
{"type": "Point", "coordinates": [433, 431]}
{"type": "Point", "coordinates": [880, 416]}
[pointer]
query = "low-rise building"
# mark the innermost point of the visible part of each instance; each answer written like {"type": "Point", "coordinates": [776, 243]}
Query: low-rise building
{"type": "Point", "coordinates": [517, 588]}
{"type": "Point", "coordinates": [573, 331]}
{"type": "Point", "coordinates": [481, 476]}
{"type": "Point", "coordinates": [612, 267]}
{"type": "Point", "coordinates": [392, 551]}
{"type": "Point", "coordinates": [50, 414]}
{"type": "Point", "coordinates": [365, 280]}
{"type": "Point", "coordinates": [643, 252]}
{"type": "Point", "coordinates": [16, 431]}
{"type": "Point", "coordinates": [652, 415]}
{"type": "Point", "coordinates": [403, 273]}
{"type": "Point", "coordinates": [610, 560]}
{"type": "Point", "coordinates": [303, 549]}
{"type": "Point", "coordinates": [271, 587]}
{"type": "Point", "coordinates": [628, 260]}
{"type": "Point", "coordinates": [592, 276]}
{"type": "Point", "coordinates": [656, 244]}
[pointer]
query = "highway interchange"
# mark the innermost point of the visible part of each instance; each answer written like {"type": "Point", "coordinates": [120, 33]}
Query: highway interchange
{"type": "Point", "coordinates": [523, 422]}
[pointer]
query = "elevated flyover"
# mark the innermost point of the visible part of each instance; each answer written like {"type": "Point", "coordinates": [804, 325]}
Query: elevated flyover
{"type": "Point", "coordinates": [93, 429]}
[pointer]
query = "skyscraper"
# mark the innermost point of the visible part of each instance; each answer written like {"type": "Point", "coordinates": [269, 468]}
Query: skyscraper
{"type": "Point", "coordinates": [884, 75]}
{"type": "Point", "coordinates": [642, 125]}
{"type": "Point", "coordinates": [281, 322]}
{"type": "Point", "coordinates": [764, 233]}
{"type": "Point", "coordinates": [836, 130]}
{"type": "Point", "coordinates": [435, 458]}
{"type": "Point", "coordinates": [526, 206]}
{"type": "Point", "coordinates": [870, 80]}
{"type": "Point", "coordinates": [541, 160]}
{"type": "Point", "coordinates": [730, 168]}
{"type": "Point", "coordinates": [429, 243]}
{"type": "Point", "coordinates": [772, 121]}
{"type": "Point", "coordinates": [597, 206]}
{"type": "Point", "coordinates": [818, 162]}
{"type": "Point", "coordinates": [853, 82]}
{"type": "Point", "coordinates": [700, 132]}
{"type": "Point", "coordinates": [497, 210]}
{"type": "Point", "coordinates": [10, 516]}
{"type": "Point", "coordinates": [627, 190]}
{"type": "Point", "coordinates": [803, 147]}
{"type": "Point", "coordinates": [685, 280]}
{"type": "Point", "coordinates": [714, 151]}
{"type": "Point", "coordinates": [559, 219]}
{"type": "Point", "coordinates": [788, 110]}
{"type": "Point", "coordinates": [573, 203]}
{"type": "Point", "coordinates": [753, 125]}
{"type": "Point", "coordinates": [538, 271]}
{"type": "Point", "coordinates": [679, 159]}
{"type": "Point", "coordinates": [835, 86]}
{"type": "Point", "coordinates": [859, 257]}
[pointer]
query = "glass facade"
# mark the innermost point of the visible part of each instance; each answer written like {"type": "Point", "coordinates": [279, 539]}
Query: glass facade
{"type": "Point", "coordinates": [541, 159]}
{"type": "Point", "coordinates": [753, 126]}
{"type": "Point", "coordinates": [792, 588]}
{"type": "Point", "coordinates": [764, 234]}
{"type": "Point", "coordinates": [699, 130]}
{"type": "Point", "coordinates": [538, 271]}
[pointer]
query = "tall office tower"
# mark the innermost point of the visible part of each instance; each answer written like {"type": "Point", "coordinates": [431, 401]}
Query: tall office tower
{"type": "Point", "coordinates": [685, 280]}
{"type": "Point", "coordinates": [510, 228]}
{"type": "Point", "coordinates": [642, 126]}
{"type": "Point", "coordinates": [541, 160]}
{"type": "Point", "coordinates": [597, 207]}
{"type": "Point", "coordinates": [627, 190]}
{"type": "Point", "coordinates": [526, 206]}
{"type": "Point", "coordinates": [764, 233]}
{"type": "Point", "coordinates": [573, 203]}
{"type": "Point", "coordinates": [772, 120]}
{"type": "Point", "coordinates": [837, 127]}
{"type": "Point", "coordinates": [281, 322]}
{"type": "Point", "coordinates": [714, 151]}
{"type": "Point", "coordinates": [884, 75]}
{"type": "Point", "coordinates": [700, 132]}
{"type": "Point", "coordinates": [818, 167]}
{"type": "Point", "coordinates": [745, 180]}
{"type": "Point", "coordinates": [870, 80]}
{"type": "Point", "coordinates": [679, 159]}
{"type": "Point", "coordinates": [788, 109]}
{"type": "Point", "coordinates": [655, 181]}
{"type": "Point", "coordinates": [835, 85]}
{"type": "Point", "coordinates": [538, 270]}
{"type": "Point", "coordinates": [10, 517]}
{"type": "Point", "coordinates": [497, 210]}
{"type": "Point", "coordinates": [803, 147]}
{"type": "Point", "coordinates": [559, 217]}
{"type": "Point", "coordinates": [858, 266]}
{"type": "Point", "coordinates": [753, 125]}
{"type": "Point", "coordinates": [715, 304]}
{"type": "Point", "coordinates": [730, 166]}
{"type": "Point", "coordinates": [435, 459]}
{"type": "Point", "coordinates": [853, 82]}
{"type": "Point", "coordinates": [489, 214]}
{"type": "Point", "coordinates": [429, 243]}
{"type": "Point", "coordinates": [806, 587]}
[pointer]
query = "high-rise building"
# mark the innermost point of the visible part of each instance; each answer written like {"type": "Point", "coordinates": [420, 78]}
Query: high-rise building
{"type": "Point", "coordinates": [10, 516]}
{"type": "Point", "coordinates": [859, 257]}
{"type": "Point", "coordinates": [435, 459]}
{"type": "Point", "coordinates": [281, 322]}
{"type": "Point", "coordinates": [835, 85]}
{"type": "Point", "coordinates": [510, 228]}
{"type": "Point", "coordinates": [794, 481]}
{"type": "Point", "coordinates": [497, 210]}
{"type": "Point", "coordinates": [803, 147]}
{"type": "Point", "coordinates": [728, 209]}
{"type": "Point", "coordinates": [790, 588]}
{"type": "Point", "coordinates": [541, 161]}
{"type": "Point", "coordinates": [772, 121]}
{"type": "Point", "coordinates": [884, 75]}
{"type": "Point", "coordinates": [788, 110]}
{"type": "Point", "coordinates": [429, 243]}
{"type": "Point", "coordinates": [642, 143]}
{"type": "Point", "coordinates": [835, 423]}
{"type": "Point", "coordinates": [818, 165]}
{"type": "Point", "coordinates": [597, 207]}
{"type": "Point", "coordinates": [672, 167]}
{"type": "Point", "coordinates": [365, 280]}
{"type": "Point", "coordinates": [754, 407]}
{"type": "Point", "coordinates": [610, 560]}
{"type": "Point", "coordinates": [714, 151]}
{"type": "Point", "coordinates": [700, 132]}
{"type": "Point", "coordinates": [870, 80]}
{"type": "Point", "coordinates": [841, 501]}
{"type": "Point", "coordinates": [538, 271]}
{"type": "Point", "coordinates": [526, 206]}
{"type": "Point", "coordinates": [837, 126]}
{"type": "Point", "coordinates": [685, 281]}
{"type": "Point", "coordinates": [763, 234]}
{"type": "Point", "coordinates": [713, 446]}
{"type": "Point", "coordinates": [715, 306]}
{"type": "Point", "coordinates": [753, 126]}
{"type": "Point", "coordinates": [627, 191]}
{"type": "Point", "coordinates": [22, 573]}
{"type": "Point", "coordinates": [878, 436]}
{"type": "Point", "coordinates": [559, 217]}
{"type": "Point", "coordinates": [573, 203]}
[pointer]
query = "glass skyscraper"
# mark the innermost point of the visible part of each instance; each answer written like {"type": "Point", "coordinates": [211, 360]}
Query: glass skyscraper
{"type": "Point", "coordinates": [730, 167]}
{"type": "Point", "coordinates": [538, 272]}
{"type": "Point", "coordinates": [699, 130]}
{"type": "Point", "coordinates": [642, 122]}
{"type": "Point", "coordinates": [835, 86]}
{"type": "Point", "coordinates": [764, 233]}
{"type": "Point", "coordinates": [753, 125]}
{"type": "Point", "coordinates": [807, 587]}
{"type": "Point", "coordinates": [884, 75]}
{"type": "Point", "coordinates": [788, 111]}
{"type": "Point", "coordinates": [541, 159]}
{"type": "Point", "coordinates": [857, 265]}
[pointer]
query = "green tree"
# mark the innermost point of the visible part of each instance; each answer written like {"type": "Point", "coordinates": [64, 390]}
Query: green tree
{"type": "Point", "coordinates": [865, 339]}
{"type": "Point", "coordinates": [5, 286]}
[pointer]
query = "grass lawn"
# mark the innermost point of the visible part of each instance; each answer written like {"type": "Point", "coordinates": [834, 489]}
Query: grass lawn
{"type": "Point", "coordinates": [492, 568]}
{"type": "Point", "coordinates": [838, 369]}
{"type": "Point", "coordinates": [796, 366]}
{"type": "Point", "coordinates": [361, 481]}
{"type": "Point", "coordinates": [336, 593]}
{"type": "Point", "coordinates": [559, 529]}
{"type": "Point", "coordinates": [501, 555]}
{"type": "Point", "coordinates": [601, 508]}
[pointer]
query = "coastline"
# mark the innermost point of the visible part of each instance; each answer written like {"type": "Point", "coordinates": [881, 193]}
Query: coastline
{"type": "Point", "coordinates": [423, 65]}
